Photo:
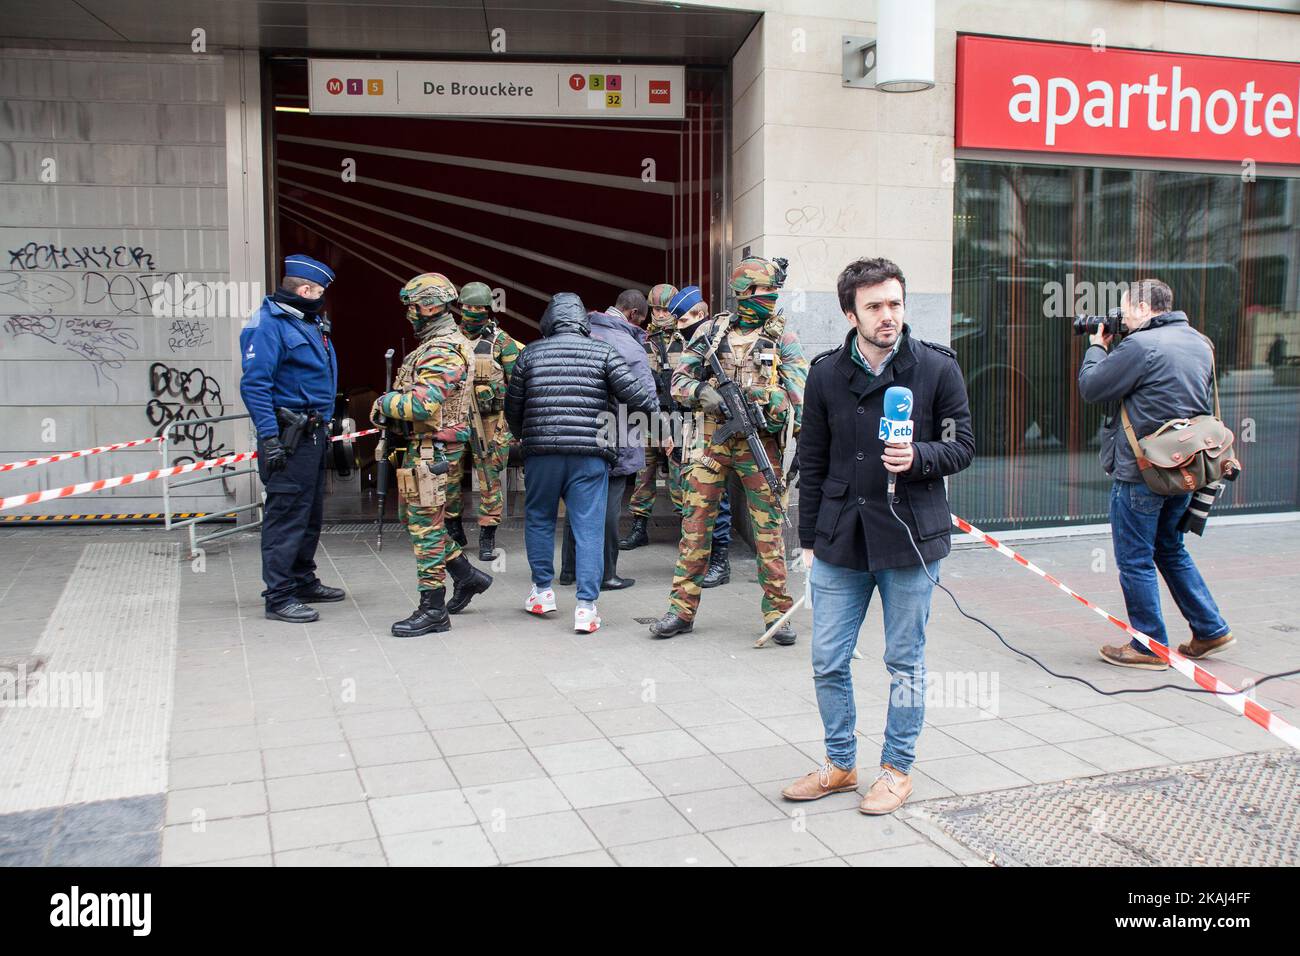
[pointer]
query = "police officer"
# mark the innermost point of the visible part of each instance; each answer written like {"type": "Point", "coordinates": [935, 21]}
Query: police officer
{"type": "Point", "coordinates": [495, 354]}
{"type": "Point", "coordinates": [290, 376]}
{"type": "Point", "coordinates": [761, 355]}
{"type": "Point", "coordinates": [663, 346]}
{"type": "Point", "coordinates": [431, 393]}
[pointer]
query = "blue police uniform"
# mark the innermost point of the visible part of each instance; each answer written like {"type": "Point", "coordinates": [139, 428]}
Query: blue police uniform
{"type": "Point", "coordinates": [289, 363]}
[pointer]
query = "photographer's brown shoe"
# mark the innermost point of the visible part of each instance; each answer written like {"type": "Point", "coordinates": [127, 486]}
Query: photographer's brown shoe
{"type": "Point", "coordinates": [1197, 648]}
{"type": "Point", "coordinates": [1126, 655]}
{"type": "Point", "coordinates": [887, 794]}
{"type": "Point", "coordinates": [822, 782]}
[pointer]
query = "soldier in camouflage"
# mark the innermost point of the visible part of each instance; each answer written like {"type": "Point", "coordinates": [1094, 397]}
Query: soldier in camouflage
{"type": "Point", "coordinates": [431, 396]}
{"type": "Point", "coordinates": [664, 346]}
{"type": "Point", "coordinates": [765, 359]}
{"type": "Point", "coordinates": [495, 354]}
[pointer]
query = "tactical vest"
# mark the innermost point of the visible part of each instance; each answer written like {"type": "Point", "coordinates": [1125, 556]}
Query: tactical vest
{"type": "Point", "coordinates": [749, 358]}
{"type": "Point", "coordinates": [664, 351]}
{"type": "Point", "coordinates": [487, 366]}
{"type": "Point", "coordinates": [454, 409]}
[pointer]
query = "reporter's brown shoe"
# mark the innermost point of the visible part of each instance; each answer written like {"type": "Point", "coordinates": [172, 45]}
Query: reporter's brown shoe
{"type": "Point", "coordinates": [822, 782]}
{"type": "Point", "coordinates": [1197, 648]}
{"type": "Point", "coordinates": [887, 794]}
{"type": "Point", "coordinates": [1126, 655]}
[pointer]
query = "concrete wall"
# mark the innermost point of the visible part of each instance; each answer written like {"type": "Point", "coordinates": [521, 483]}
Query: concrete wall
{"type": "Point", "coordinates": [823, 175]}
{"type": "Point", "coordinates": [112, 178]}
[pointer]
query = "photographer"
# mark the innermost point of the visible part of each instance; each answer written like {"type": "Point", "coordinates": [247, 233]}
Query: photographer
{"type": "Point", "coordinates": [1160, 369]}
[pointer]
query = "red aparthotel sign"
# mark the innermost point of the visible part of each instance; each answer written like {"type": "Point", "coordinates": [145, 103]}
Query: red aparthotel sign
{"type": "Point", "coordinates": [1063, 98]}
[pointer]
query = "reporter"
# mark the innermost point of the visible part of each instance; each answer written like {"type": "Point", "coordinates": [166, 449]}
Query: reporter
{"type": "Point", "coordinates": [852, 542]}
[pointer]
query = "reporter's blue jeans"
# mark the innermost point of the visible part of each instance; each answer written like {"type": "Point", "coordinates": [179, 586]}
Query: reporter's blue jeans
{"type": "Point", "coordinates": [840, 599]}
{"type": "Point", "coordinates": [1144, 531]}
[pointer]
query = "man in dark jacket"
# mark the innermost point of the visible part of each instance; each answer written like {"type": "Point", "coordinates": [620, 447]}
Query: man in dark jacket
{"type": "Point", "coordinates": [855, 539]}
{"type": "Point", "coordinates": [557, 403]}
{"type": "Point", "coordinates": [1162, 369]}
{"type": "Point", "coordinates": [620, 326]}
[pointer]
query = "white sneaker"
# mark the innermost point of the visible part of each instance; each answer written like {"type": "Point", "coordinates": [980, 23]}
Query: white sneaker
{"type": "Point", "coordinates": [540, 602]}
{"type": "Point", "coordinates": [586, 620]}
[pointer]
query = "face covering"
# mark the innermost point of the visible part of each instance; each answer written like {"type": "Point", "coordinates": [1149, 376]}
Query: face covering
{"type": "Point", "coordinates": [305, 306]}
{"type": "Point", "coordinates": [474, 321]}
{"type": "Point", "coordinates": [440, 323]}
{"type": "Point", "coordinates": [755, 310]}
{"type": "Point", "coordinates": [662, 320]}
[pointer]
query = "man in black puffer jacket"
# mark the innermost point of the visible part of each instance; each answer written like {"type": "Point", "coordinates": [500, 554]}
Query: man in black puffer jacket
{"type": "Point", "coordinates": [562, 404]}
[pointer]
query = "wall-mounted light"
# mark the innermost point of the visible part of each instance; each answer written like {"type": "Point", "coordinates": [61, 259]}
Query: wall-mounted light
{"type": "Point", "coordinates": [900, 58]}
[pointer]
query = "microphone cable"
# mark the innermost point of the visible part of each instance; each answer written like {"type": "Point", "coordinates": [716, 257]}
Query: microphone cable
{"type": "Point", "coordinates": [1087, 683]}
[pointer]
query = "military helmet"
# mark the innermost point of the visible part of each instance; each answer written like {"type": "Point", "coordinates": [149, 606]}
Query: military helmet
{"type": "Point", "coordinates": [756, 271]}
{"type": "Point", "coordinates": [476, 295]}
{"type": "Point", "coordinates": [661, 295]}
{"type": "Point", "coordinates": [428, 288]}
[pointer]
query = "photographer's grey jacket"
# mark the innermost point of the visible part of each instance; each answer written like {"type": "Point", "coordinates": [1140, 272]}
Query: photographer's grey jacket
{"type": "Point", "coordinates": [1161, 371]}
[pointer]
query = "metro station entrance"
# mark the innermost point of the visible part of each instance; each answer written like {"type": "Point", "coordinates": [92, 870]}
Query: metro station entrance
{"type": "Point", "coordinates": [530, 206]}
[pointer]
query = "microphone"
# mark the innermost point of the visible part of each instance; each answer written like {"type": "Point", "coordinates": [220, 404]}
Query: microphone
{"type": "Point", "coordinates": [896, 425]}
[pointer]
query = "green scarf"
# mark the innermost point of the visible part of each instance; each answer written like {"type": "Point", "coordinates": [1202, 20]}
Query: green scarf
{"type": "Point", "coordinates": [475, 321]}
{"type": "Point", "coordinates": [755, 310]}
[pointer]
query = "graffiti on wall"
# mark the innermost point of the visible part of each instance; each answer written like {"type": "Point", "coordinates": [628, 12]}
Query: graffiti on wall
{"type": "Point", "coordinates": [186, 396]}
{"type": "Point", "coordinates": [102, 342]}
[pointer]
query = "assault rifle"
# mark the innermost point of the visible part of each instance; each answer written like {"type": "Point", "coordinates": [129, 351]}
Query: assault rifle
{"type": "Point", "coordinates": [742, 416]}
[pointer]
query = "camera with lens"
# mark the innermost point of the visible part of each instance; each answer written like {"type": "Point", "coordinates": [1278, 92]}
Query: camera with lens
{"type": "Point", "coordinates": [1112, 322]}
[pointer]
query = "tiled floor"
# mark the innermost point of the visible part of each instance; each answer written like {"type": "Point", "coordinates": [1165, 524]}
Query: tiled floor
{"type": "Point", "coordinates": [514, 740]}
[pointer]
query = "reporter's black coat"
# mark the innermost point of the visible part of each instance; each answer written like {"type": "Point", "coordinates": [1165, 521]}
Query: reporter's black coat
{"type": "Point", "coordinates": [843, 513]}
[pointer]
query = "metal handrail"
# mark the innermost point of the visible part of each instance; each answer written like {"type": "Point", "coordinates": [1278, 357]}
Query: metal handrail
{"type": "Point", "coordinates": [191, 523]}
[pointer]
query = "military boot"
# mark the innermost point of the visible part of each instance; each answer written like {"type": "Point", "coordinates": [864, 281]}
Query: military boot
{"type": "Point", "coordinates": [719, 568]}
{"type": "Point", "coordinates": [467, 581]}
{"type": "Point", "coordinates": [429, 618]}
{"type": "Point", "coordinates": [455, 530]}
{"type": "Point", "coordinates": [670, 625]}
{"type": "Point", "coordinates": [638, 537]}
{"type": "Point", "coordinates": [487, 542]}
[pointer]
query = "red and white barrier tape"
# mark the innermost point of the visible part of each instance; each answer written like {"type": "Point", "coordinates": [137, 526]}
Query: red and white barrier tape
{"type": "Point", "coordinates": [64, 456]}
{"type": "Point", "coordinates": [1225, 692]}
{"type": "Point", "coordinates": [17, 501]}
{"type": "Point", "coordinates": [85, 487]}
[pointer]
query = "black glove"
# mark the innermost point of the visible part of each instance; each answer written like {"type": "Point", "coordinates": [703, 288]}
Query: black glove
{"type": "Point", "coordinates": [274, 455]}
{"type": "Point", "coordinates": [710, 399]}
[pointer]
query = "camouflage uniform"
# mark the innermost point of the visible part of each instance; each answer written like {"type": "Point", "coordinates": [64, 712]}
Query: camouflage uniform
{"type": "Point", "coordinates": [768, 364]}
{"type": "Point", "coordinates": [495, 355]}
{"type": "Point", "coordinates": [664, 347]}
{"type": "Point", "coordinates": [432, 392]}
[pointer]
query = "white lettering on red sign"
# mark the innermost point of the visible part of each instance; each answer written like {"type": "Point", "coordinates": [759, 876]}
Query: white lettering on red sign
{"type": "Point", "coordinates": [1064, 98]}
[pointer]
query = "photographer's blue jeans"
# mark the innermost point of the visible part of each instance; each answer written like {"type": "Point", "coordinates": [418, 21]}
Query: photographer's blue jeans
{"type": "Point", "coordinates": [1144, 530]}
{"type": "Point", "coordinates": [840, 599]}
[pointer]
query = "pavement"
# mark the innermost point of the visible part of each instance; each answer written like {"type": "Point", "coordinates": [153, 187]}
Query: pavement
{"type": "Point", "coordinates": [167, 722]}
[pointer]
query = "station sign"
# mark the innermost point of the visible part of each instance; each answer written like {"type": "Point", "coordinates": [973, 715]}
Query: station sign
{"type": "Point", "coordinates": [560, 90]}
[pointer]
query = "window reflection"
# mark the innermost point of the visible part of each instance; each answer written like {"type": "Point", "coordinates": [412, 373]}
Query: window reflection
{"type": "Point", "coordinates": [1036, 245]}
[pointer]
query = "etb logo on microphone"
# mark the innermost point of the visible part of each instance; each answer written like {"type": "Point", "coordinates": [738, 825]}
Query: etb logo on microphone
{"type": "Point", "coordinates": [896, 425]}
{"type": "Point", "coordinates": [895, 432]}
